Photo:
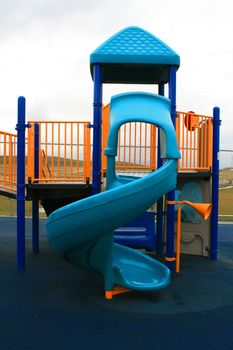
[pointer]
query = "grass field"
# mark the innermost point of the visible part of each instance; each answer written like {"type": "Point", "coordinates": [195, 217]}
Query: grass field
{"type": "Point", "coordinates": [227, 175]}
{"type": "Point", "coordinates": [226, 195]}
{"type": "Point", "coordinates": [226, 204]}
{"type": "Point", "coordinates": [8, 206]}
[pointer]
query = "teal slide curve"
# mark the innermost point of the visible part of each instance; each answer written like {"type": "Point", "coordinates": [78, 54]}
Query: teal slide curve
{"type": "Point", "coordinates": [82, 231]}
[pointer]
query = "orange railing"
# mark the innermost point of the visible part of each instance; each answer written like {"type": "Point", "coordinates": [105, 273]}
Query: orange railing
{"type": "Point", "coordinates": [137, 143]}
{"type": "Point", "coordinates": [65, 148]}
{"type": "Point", "coordinates": [64, 151]}
{"type": "Point", "coordinates": [194, 136]}
{"type": "Point", "coordinates": [8, 160]}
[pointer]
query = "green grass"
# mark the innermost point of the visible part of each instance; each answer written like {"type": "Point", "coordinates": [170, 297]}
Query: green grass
{"type": "Point", "coordinates": [8, 206]}
{"type": "Point", "coordinates": [226, 204]}
{"type": "Point", "coordinates": [224, 218]}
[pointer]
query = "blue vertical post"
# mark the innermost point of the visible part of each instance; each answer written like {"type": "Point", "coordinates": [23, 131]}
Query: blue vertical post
{"type": "Point", "coordinates": [20, 127]}
{"type": "Point", "coordinates": [171, 194]}
{"type": "Point", "coordinates": [97, 130]}
{"type": "Point", "coordinates": [215, 184]}
{"type": "Point", "coordinates": [35, 201]}
{"type": "Point", "coordinates": [159, 217]}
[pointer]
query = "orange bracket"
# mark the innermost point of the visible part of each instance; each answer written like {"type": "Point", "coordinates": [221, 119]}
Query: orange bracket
{"type": "Point", "coordinates": [170, 259]}
{"type": "Point", "coordinates": [171, 202]}
{"type": "Point", "coordinates": [109, 294]}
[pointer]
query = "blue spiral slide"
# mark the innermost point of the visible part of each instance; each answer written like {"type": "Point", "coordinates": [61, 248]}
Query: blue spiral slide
{"type": "Point", "coordinates": [82, 231]}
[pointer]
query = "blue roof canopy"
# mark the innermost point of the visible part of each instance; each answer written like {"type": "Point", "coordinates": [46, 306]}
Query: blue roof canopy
{"type": "Point", "coordinates": [134, 55]}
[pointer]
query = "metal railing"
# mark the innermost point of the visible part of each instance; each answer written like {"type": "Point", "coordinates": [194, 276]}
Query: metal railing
{"type": "Point", "coordinates": [8, 161]}
{"type": "Point", "coordinates": [65, 151]}
{"type": "Point", "coordinates": [137, 143]}
{"type": "Point", "coordinates": [194, 136]}
{"type": "Point", "coordinates": [64, 148]}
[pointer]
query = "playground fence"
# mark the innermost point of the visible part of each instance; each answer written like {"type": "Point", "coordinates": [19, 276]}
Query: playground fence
{"type": "Point", "coordinates": [194, 136]}
{"type": "Point", "coordinates": [137, 143]}
{"type": "Point", "coordinates": [8, 161]}
{"type": "Point", "coordinates": [65, 148]}
{"type": "Point", "coordinates": [64, 151]}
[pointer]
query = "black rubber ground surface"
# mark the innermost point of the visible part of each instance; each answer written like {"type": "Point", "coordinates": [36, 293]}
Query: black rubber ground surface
{"type": "Point", "coordinates": [54, 305]}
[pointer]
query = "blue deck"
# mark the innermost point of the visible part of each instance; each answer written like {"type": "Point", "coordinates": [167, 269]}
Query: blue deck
{"type": "Point", "coordinates": [54, 305]}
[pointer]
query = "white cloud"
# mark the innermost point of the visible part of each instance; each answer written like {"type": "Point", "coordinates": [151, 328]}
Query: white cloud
{"type": "Point", "coordinates": [45, 47]}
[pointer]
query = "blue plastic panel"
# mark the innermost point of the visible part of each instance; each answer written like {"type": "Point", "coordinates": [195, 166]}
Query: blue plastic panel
{"type": "Point", "coordinates": [135, 45]}
{"type": "Point", "coordinates": [139, 233]}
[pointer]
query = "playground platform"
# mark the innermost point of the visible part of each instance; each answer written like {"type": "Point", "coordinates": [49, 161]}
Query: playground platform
{"type": "Point", "coordinates": [55, 305]}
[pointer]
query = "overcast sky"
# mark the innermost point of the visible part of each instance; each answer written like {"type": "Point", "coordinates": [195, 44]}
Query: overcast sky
{"type": "Point", "coordinates": [45, 47]}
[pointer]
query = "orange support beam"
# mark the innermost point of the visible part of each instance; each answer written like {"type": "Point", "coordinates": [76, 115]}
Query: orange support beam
{"type": "Point", "coordinates": [152, 147]}
{"type": "Point", "coordinates": [30, 152]}
{"type": "Point", "coordinates": [87, 153]}
{"type": "Point", "coordinates": [105, 128]}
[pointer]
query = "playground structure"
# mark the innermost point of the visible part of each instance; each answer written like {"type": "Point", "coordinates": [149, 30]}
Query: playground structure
{"type": "Point", "coordinates": [59, 167]}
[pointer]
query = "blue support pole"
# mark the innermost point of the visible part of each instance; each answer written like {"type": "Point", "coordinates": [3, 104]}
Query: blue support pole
{"type": "Point", "coordinates": [215, 184]}
{"type": "Point", "coordinates": [20, 127]}
{"type": "Point", "coordinates": [171, 194]}
{"type": "Point", "coordinates": [97, 130]}
{"type": "Point", "coordinates": [159, 217]}
{"type": "Point", "coordinates": [35, 201]}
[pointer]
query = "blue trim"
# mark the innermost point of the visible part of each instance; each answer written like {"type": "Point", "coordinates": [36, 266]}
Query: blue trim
{"type": "Point", "coordinates": [159, 217]}
{"type": "Point", "coordinates": [20, 127]}
{"type": "Point", "coordinates": [35, 201]}
{"type": "Point", "coordinates": [97, 130]}
{"type": "Point", "coordinates": [215, 184]}
{"type": "Point", "coordinates": [171, 195]}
